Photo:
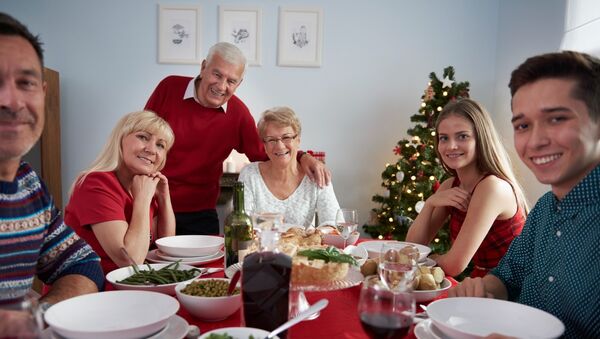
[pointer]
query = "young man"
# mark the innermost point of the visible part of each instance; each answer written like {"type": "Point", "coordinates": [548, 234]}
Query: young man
{"type": "Point", "coordinates": [209, 121]}
{"type": "Point", "coordinates": [33, 238]}
{"type": "Point", "coordinates": [553, 265]}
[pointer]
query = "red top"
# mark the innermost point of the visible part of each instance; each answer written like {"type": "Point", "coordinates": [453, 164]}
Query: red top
{"type": "Point", "coordinates": [496, 242]}
{"type": "Point", "coordinates": [204, 138]}
{"type": "Point", "coordinates": [100, 198]}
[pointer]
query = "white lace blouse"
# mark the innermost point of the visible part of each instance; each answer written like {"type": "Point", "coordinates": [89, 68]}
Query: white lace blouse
{"type": "Point", "coordinates": [298, 209]}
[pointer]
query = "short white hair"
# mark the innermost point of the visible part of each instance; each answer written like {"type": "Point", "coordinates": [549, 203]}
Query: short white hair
{"type": "Point", "coordinates": [229, 52]}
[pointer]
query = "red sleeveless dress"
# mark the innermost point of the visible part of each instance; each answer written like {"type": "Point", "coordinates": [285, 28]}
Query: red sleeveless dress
{"type": "Point", "coordinates": [496, 242]}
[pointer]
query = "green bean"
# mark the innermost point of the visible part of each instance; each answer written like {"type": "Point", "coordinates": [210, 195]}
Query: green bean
{"type": "Point", "coordinates": [166, 275]}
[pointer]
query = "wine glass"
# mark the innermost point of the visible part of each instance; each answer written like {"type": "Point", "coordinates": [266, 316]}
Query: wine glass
{"type": "Point", "coordinates": [383, 313]}
{"type": "Point", "coordinates": [398, 266]}
{"type": "Point", "coordinates": [346, 222]}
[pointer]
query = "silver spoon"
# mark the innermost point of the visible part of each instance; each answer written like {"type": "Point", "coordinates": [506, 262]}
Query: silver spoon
{"type": "Point", "coordinates": [131, 262]}
{"type": "Point", "coordinates": [316, 307]}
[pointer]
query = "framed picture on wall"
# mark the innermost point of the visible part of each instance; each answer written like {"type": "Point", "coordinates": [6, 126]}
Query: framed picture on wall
{"type": "Point", "coordinates": [300, 36]}
{"type": "Point", "coordinates": [241, 26]}
{"type": "Point", "coordinates": [179, 34]}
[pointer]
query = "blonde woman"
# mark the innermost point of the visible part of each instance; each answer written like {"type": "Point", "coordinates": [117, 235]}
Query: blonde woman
{"type": "Point", "coordinates": [484, 201]}
{"type": "Point", "coordinates": [122, 199]}
{"type": "Point", "coordinates": [280, 183]}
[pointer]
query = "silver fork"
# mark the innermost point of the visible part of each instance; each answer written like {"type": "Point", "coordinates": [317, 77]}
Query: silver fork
{"type": "Point", "coordinates": [210, 270]}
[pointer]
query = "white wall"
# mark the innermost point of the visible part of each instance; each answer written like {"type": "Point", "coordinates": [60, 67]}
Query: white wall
{"type": "Point", "coordinates": [526, 28]}
{"type": "Point", "coordinates": [582, 26]}
{"type": "Point", "coordinates": [377, 56]}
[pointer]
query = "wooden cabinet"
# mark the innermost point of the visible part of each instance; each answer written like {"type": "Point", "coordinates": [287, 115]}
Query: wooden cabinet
{"type": "Point", "coordinates": [45, 156]}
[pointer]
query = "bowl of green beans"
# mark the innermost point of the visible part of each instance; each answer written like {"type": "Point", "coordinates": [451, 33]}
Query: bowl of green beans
{"type": "Point", "coordinates": [207, 299]}
{"type": "Point", "coordinates": [160, 278]}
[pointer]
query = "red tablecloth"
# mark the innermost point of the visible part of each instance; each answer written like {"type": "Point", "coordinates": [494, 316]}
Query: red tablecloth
{"type": "Point", "coordinates": [338, 320]}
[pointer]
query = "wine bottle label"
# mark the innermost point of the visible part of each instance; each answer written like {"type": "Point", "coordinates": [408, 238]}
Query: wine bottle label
{"type": "Point", "coordinates": [244, 248]}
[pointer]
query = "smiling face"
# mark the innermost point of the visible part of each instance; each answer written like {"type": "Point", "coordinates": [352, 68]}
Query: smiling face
{"type": "Point", "coordinates": [457, 142]}
{"type": "Point", "coordinates": [554, 135]}
{"type": "Point", "coordinates": [143, 152]}
{"type": "Point", "coordinates": [281, 143]}
{"type": "Point", "coordinates": [219, 80]}
{"type": "Point", "coordinates": [22, 92]}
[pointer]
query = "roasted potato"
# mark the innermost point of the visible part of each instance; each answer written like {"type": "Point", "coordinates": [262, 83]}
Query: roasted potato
{"type": "Point", "coordinates": [428, 278]}
{"type": "Point", "coordinates": [369, 267]}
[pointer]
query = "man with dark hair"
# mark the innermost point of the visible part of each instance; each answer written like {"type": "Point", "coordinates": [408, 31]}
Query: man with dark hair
{"type": "Point", "coordinates": [33, 238]}
{"type": "Point", "coordinates": [554, 264]}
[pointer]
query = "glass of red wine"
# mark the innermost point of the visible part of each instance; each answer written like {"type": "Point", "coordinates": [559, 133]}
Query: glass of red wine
{"type": "Point", "coordinates": [383, 313]}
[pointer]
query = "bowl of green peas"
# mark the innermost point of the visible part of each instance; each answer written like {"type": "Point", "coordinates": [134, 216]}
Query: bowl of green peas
{"type": "Point", "coordinates": [160, 278]}
{"type": "Point", "coordinates": [207, 299]}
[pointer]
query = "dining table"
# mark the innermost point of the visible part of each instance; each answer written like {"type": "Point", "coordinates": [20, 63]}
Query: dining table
{"type": "Point", "coordinates": [338, 320]}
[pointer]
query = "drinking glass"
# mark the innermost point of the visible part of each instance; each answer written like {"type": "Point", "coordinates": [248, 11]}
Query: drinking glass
{"type": "Point", "coordinates": [266, 223]}
{"type": "Point", "coordinates": [23, 319]}
{"type": "Point", "coordinates": [383, 313]}
{"type": "Point", "coordinates": [346, 222]}
{"type": "Point", "coordinates": [398, 266]}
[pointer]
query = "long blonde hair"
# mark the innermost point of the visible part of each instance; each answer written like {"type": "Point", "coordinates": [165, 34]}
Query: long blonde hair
{"type": "Point", "coordinates": [491, 157]}
{"type": "Point", "coordinates": [111, 156]}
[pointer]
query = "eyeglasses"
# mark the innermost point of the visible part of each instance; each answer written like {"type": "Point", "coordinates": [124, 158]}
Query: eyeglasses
{"type": "Point", "coordinates": [285, 139]}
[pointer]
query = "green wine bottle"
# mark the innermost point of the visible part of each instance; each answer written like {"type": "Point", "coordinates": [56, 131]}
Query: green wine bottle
{"type": "Point", "coordinates": [237, 228]}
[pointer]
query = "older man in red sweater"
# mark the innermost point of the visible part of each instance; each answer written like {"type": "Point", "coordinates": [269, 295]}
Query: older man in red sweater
{"type": "Point", "coordinates": [209, 121]}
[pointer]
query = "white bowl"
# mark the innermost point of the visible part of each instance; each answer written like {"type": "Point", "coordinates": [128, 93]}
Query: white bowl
{"type": "Point", "coordinates": [331, 236]}
{"type": "Point", "coordinates": [422, 296]}
{"type": "Point", "coordinates": [125, 272]}
{"type": "Point", "coordinates": [359, 253]}
{"type": "Point", "coordinates": [190, 245]}
{"type": "Point", "coordinates": [238, 332]}
{"type": "Point", "coordinates": [113, 314]}
{"type": "Point", "coordinates": [478, 317]}
{"type": "Point", "coordinates": [373, 247]}
{"type": "Point", "coordinates": [209, 308]}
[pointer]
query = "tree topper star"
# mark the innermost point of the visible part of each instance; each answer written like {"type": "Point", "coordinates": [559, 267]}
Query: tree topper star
{"type": "Point", "coordinates": [447, 82]}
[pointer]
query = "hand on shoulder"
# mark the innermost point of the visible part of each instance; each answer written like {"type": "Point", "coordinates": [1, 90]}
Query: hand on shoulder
{"type": "Point", "coordinates": [450, 196]}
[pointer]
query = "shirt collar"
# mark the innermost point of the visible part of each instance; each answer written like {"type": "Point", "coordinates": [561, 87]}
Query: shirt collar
{"type": "Point", "coordinates": [586, 192]}
{"type": "Point", "coordinates": [190, 92]}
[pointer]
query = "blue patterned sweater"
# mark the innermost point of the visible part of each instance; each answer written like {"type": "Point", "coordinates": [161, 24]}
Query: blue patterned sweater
{"type": "Point", "coordinates": [35, 240]}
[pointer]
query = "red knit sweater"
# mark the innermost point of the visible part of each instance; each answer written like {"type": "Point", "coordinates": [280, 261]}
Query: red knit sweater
{"type": "Point", "coordinates": [204, 138]}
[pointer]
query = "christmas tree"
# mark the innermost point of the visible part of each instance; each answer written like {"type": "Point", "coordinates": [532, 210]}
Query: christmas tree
{"type": "Point", "coordinates": [418, 172]}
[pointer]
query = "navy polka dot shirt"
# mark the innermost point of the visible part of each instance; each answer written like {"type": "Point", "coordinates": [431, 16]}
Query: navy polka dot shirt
{"type": "Point", "coordinates": [554, 265]}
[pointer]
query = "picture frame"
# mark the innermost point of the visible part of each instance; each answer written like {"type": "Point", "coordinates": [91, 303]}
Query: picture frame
{"type": "Point", "coordinates": [179, 34]}
{"type": "Point", "coordinates": [300, 36]}
{"type": "Point", "coordinates": [242, 26]}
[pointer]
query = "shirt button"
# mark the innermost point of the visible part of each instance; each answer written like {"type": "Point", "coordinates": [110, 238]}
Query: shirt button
{"type": "Point", "coordinates": [550, 278]}
{"type": "Point", "coordinates": [558, 233]}
{"type": "Point", "coordinates": [558, 208]}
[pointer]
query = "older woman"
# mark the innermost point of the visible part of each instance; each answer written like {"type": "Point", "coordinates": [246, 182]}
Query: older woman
{"type": "Point", "coordinates": [122, 200]}
{"type": "Point", "coordinates": [279, 184]}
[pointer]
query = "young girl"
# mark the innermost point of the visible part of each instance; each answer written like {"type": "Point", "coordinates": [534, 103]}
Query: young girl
{"type": "Point", "coordinates": [484, 201]}
{"type": "Point", "coordinates": [122, 200]}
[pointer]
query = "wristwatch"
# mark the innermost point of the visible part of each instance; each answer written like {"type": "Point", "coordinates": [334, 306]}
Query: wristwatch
{"type": "Point", "coordinates": [43, 307]}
